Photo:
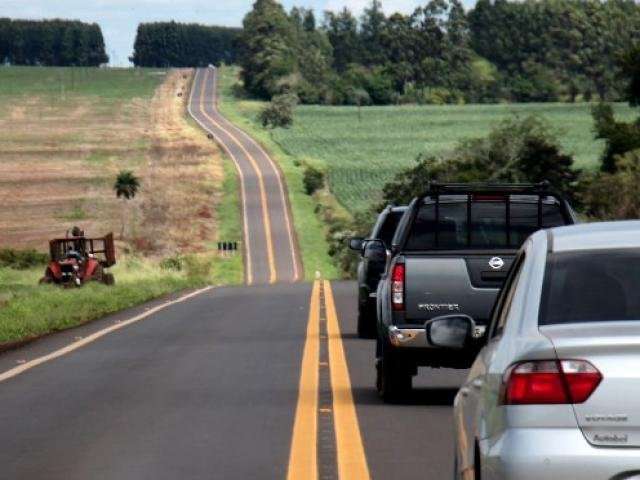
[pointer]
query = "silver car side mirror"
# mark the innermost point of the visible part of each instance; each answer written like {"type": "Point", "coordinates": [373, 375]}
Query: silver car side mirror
{"type": "Point", "coordinates": [450, 331]}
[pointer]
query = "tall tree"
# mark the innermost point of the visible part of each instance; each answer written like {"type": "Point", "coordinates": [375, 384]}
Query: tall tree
{"type": "Point", "coordinates": [126, 187]}
{"type": "Point", "coordinates": [342, 32]}
{"type": "Point", "coordinates": [372, 25]}
{"type": "Point", "coordinates": [171, 44]}
{"type": "Point", "coordinates": [268, 48]}
{"type": "Point", "coordinates": [51, 43]}
{"type": "Point", "coordinates": [630, 63]}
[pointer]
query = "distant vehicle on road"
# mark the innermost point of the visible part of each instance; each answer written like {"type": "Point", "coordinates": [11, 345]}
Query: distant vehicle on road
{"type": "Point", "coordinates": [373, 258]}
{"type": "Point", "coordinates": [554, 391]}
{"type": "Point", "coordinates": [450, 255]}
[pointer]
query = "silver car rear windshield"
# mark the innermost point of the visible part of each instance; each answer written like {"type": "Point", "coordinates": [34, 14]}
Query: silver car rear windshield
{"type": "Point", "coordinates": [468, 222]}
{"type": "Point", "coordinates": [591, 286]}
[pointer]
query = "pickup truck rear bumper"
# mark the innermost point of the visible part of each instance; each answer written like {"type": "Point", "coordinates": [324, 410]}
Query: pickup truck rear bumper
{"type": "Point", "coordinates": [410, 343]}
{"type": "Point", "coordinates": [412, 337]}
{"type": "Point", "coordinates": [408, 337]}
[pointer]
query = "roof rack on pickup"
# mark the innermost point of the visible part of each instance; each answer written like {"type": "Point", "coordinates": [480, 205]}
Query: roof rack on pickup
{"type": "Point", "coordinates": [436, 188]}
{"type": "Point", "coordinates": [490, 190]}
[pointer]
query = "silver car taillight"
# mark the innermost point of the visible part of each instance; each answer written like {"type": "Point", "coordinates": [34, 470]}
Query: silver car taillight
{"type": "Point", "coordinates": [545, 382]}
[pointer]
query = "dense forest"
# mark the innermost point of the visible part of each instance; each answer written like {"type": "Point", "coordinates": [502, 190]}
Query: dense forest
{"type": "Point", "coordinates": [51, 43]}
{"type": "Point", "coordinates": [171, 44]}
{"type": "Point", "coordinates": [532, 50]}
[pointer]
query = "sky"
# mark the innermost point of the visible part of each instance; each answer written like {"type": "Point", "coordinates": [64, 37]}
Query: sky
{"type": "Point", "coordinates": [119, 18]}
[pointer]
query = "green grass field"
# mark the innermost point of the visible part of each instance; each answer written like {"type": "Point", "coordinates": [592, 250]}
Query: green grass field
{"type": "Point", "coordinates": [61, 82]}
{"type": "Point", "coordinates": [361, 152]}
{"type": "Point", "coordinates": [230, 270]}
{"type": "Point", "coordinates": [28, 310]}
{"type": "Point", "coordinates": [360, 156]}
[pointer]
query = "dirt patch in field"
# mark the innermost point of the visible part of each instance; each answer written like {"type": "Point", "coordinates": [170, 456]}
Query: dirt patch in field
{"type": "Point", "coordinates": [59, 158]}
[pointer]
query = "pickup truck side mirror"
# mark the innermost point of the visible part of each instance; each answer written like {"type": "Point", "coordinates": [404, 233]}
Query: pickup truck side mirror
{"type": "Point", "coordinates": [375, 250]}
{"type": "Point", "coordinates": [451, 331]}
{"type": "Point", "coordinates": [356, 243]}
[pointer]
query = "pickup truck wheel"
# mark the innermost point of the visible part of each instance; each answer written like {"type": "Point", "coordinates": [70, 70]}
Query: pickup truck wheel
{"type": "Point", "coordinates": [366, 325]}
{"type": "Point", "coordinates": [393, 378]}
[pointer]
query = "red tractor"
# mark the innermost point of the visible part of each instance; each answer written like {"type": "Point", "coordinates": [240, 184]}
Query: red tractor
{"type": "Point", "coordinates": [77, 259]}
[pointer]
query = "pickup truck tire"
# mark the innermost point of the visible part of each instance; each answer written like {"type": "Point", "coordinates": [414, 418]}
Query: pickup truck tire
{"type": "Point", "coordinates": [366, 324]}
{"type": "Point", "coordinates": [393, 377]}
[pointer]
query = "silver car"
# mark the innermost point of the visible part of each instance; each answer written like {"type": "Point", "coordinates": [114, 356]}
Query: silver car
{"type": "Point", "coordinates": [555, 390]}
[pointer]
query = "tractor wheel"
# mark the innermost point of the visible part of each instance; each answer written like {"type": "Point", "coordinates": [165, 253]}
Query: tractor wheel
{"type": "Point", "coordinates": [98, 274]}
{"type": "Point", "coordinates": [48, 277]}
{"type": "Point", "coordinates": [108, 279]}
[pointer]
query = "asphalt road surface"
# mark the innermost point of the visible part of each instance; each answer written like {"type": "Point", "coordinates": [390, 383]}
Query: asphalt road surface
{"type": "Point", "coordinates": [269, 243]}
{"type": "Point", "coordinates": [262, 382]}
{"type": "Point", "coordinates": [265, 381]}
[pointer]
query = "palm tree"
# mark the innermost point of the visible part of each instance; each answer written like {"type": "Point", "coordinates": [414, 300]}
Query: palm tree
{"type": "Point", "coordinates": [126, 187]}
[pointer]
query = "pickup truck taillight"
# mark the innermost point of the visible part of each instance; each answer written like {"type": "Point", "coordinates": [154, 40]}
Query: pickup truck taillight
{"type": "Point", "coordinates": [397, 287]}
{"type": "Point", "coordinates": [550, 382]}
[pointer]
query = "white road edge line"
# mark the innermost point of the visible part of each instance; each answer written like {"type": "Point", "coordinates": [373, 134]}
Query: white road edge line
{"type": "Point", "coordinates": [95, 336]}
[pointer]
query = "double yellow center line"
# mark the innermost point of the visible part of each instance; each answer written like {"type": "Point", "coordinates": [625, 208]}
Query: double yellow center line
{"type": "Point", "coordinates": [303, 459]}
{"type": "Point", "coordinates": [261, 186]}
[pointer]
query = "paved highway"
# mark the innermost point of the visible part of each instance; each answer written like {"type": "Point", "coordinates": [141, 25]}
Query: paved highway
{"type": "Point", "coordinates": [270, 247]}
{"type": "Point", "coordinates": [265, 381]}
{"type": "Point", "coordinates": [261, 382]}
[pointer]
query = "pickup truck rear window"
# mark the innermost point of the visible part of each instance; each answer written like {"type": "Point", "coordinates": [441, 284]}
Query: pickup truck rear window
{"type": "Point", "coordinates": [591, 286]}
{"type": "Point", "coordinates": [485, 228]}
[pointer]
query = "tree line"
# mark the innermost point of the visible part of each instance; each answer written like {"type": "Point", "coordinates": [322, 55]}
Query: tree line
{"type": "Point", "coordinates": [171, 44]}
{"type": "Point", "coordinates": [51, 43]}
{"type": "Point", "coordinates": [531, 50]}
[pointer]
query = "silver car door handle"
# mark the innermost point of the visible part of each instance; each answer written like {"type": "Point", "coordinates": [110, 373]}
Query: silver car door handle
{"type": "Point", "coordinates": [477, 383]}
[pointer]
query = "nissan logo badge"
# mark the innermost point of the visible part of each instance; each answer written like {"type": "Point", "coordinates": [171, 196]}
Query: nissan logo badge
{"type": "Point", "coordinates": [496, 263]}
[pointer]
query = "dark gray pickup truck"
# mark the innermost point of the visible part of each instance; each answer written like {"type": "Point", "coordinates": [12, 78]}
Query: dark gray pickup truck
{"type": "Point", "coordinates": [450, 255]}
{"type": "Point", "coordinates": [373, 258]}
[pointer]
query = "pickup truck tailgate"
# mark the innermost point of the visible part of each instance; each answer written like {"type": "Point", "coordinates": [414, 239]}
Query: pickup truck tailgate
{"type": "Point", "coordinates": [440, 285]}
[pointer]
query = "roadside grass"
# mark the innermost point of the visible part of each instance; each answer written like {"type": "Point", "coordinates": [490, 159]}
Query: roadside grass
{"type": "Point", "coordinates": [309, 228]}
{"type": "Point", "coordinates": [229, 270]}
{"type": "Point", "coordinates": [29, 310]}
{"type": "Point", "coordinates": [362, 149]}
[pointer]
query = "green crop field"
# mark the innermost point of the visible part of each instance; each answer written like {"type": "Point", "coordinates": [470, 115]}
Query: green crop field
{"type": "Point", "coordinates": [60, 82]}
{"type": "Point", "coordinates": [361, 155]}
{"type": "Point", "coordinates": [360, 152]}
